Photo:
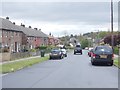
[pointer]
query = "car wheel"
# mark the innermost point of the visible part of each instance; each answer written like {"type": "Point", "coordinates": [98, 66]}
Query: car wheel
{"type": "Point", "coordinates": [60, 57]}
{"type": "Point", "coordinates": [110, 64]}
{"type": "Point", "coordinates": [92, 63]}
{"type": "Point", "coordinates": [74, 53]}
{"type": "Point", "coordinates": [66, 55]}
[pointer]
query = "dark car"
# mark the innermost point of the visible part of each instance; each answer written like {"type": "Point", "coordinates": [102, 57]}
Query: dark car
{"type": "Point", "coordinates": [90, 52]}
{"type": "Point", "coordinates": [78, 49]}
{"type": "Point", "coordinates": [56, 54]}
{"type": "Point", "coordinates": [102, 54]}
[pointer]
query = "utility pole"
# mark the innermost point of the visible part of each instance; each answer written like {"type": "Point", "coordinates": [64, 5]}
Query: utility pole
{"type": "Point", "coordinates": [112, 39]}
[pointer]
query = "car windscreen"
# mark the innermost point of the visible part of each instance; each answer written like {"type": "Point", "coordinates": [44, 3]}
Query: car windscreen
{"type": "Point", "coordinates": [103, 50]}
{"type": "Point", "coordinates": [91, 50]}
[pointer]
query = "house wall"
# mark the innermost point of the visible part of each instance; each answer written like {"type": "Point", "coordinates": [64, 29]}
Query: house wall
{"type": "Point", "coordinates": [12, 40]}
{"type": "Point", "coordinates": [51, 41]}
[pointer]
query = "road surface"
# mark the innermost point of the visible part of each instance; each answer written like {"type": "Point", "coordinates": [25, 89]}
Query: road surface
{"type": "Point", "coordinates": [74, 71]}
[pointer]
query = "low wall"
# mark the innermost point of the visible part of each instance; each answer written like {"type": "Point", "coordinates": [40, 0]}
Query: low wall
{"type": "Point", "coordinates": [14, 56]}
{"type": "Point", "coordinates": [4, 57]}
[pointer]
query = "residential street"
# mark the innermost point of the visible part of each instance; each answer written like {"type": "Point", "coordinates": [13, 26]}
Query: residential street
{"type": "Point", "coordinates": [74, 71]}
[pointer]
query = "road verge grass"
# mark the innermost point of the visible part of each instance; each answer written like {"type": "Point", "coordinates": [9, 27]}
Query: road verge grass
{"type": "Point", "coordinates": [14, 66]}
{"type": "Point", "coordinates": [116, 63]}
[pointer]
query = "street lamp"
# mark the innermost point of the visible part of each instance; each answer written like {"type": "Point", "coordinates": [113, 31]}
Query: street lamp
{"type": "Point", "coordinates": [112, 40]}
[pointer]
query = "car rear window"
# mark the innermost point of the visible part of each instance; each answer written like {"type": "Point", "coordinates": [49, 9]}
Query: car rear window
{"type": "Point", "coordinates": [55, 51]}
{"type": "Point", "coordinates": [78, 46]}
{"type": "Point", "coordinates": [103, 49]}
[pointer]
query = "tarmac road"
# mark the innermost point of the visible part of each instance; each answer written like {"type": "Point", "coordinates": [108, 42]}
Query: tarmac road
{"type": "Point", "coordinates": [74, 71]}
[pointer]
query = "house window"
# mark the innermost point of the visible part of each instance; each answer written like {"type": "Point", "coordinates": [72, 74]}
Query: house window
{"type": "Point", "coordinates": [19, 34]}
{"type": "Point", "coordinates": [12, 34]}
{"type": "Point", "coordinates": [6, 34]}
{"type": "Point", "coordinates": [16, 33]}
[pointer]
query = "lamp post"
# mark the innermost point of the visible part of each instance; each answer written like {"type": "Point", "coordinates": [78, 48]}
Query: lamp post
{"type": "Point", "coordinates": [112, 40]}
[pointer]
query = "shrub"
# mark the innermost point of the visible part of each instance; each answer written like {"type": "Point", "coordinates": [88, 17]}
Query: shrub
{"type": "Point", "coordinates": [33, 50]}
{"type": "Point", "coordinates": [41, 47]}
{"type": "Point", "coordinates": [116, 50]}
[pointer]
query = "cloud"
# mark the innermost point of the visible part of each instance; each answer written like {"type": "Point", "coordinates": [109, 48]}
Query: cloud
{"type": "Point", "coordinates": [60, 12]}
{"type": "Point", "coordinates": [60, 16]}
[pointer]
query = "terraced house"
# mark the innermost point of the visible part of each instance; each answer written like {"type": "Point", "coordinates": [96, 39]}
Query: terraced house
{"type": "Point", "coordinates": [18, 38]}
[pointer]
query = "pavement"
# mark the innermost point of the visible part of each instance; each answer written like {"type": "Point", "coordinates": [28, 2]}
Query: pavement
{"type": "Point", "coordinates": [74, 71]}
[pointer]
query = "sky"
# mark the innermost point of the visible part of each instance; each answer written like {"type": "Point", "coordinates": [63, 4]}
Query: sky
{"type": "Point", "coordinates": [61, 18]}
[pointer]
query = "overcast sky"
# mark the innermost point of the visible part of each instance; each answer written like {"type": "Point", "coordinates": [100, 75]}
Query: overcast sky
{"type": "Point", "coordinates": [62, 17]}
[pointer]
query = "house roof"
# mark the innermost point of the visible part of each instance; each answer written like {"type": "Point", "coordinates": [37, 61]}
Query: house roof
{"type": "Point", "coordinates": [51, 37]}
{"type": "Point", "coordinates": [8, 25]}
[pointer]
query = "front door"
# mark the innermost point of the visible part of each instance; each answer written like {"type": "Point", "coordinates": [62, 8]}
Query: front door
{"type": "Point", "coordinates": [16, 47]}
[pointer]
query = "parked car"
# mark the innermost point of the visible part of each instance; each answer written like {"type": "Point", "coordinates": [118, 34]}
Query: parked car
{"type": "Point", "coordinates": [78, 49]}
{"type": "Point", "coordinates": [56, 54]}
{"type": "Point", "coordinates": [64, 51]}
{"type": "Point", "coordinates": [86, 48]}
{"type": "Point", "coordinates": [90, 52]}
{"type": "Point", "coordinates": [102, 54]}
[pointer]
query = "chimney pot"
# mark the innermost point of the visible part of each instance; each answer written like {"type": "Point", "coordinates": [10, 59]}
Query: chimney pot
{"type": "Point", "coordinates": [30, 27]}
{"type": "Point", "coordinates": [35, 28]}
{"type": "Point", "coordinates": [7, 18]}
{"type": "Point", "coordinates": [14, 23]}
{"type": "Point", "coordinates": [23, 25]}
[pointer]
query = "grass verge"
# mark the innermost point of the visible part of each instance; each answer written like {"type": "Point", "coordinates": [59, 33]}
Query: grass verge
{"type": "Point", "coordinates": [116, 63]}
{"type": "Point", "coordinates": [14, 66]}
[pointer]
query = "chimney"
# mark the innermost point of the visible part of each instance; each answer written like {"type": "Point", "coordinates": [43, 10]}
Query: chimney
{"type": "Point", "coordinates": [40, 29]}
{"type": "Point", "coordinates": [7, 18]}
{"type": "Point", "coordinates": [35, 28]}
{"type": "Point", "coordinates": [14, 23]}
{"type": "Point", "coordinates": [30, 27]}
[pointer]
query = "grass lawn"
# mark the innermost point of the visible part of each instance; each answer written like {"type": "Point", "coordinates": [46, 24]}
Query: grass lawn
{"type": "Point", "coordinates": [14, 66]}
{"type": "Point", "coordinates": [116, 63]}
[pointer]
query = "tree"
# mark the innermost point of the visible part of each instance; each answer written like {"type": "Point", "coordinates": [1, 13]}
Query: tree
{"type": "Point", "coordinates": [84, 43]}
{"type": "Point", "coordinates": [116, 40]}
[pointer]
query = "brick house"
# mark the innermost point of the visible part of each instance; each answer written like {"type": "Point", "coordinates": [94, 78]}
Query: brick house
{"type": "Point", "coordinates": [11, 37]}
{"type": "Point", "coordinates": [17, 38]}
{"type": "Point", "coordinates": [34, 36]}
{"type": "Point", "coordinates": [53, 40]}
